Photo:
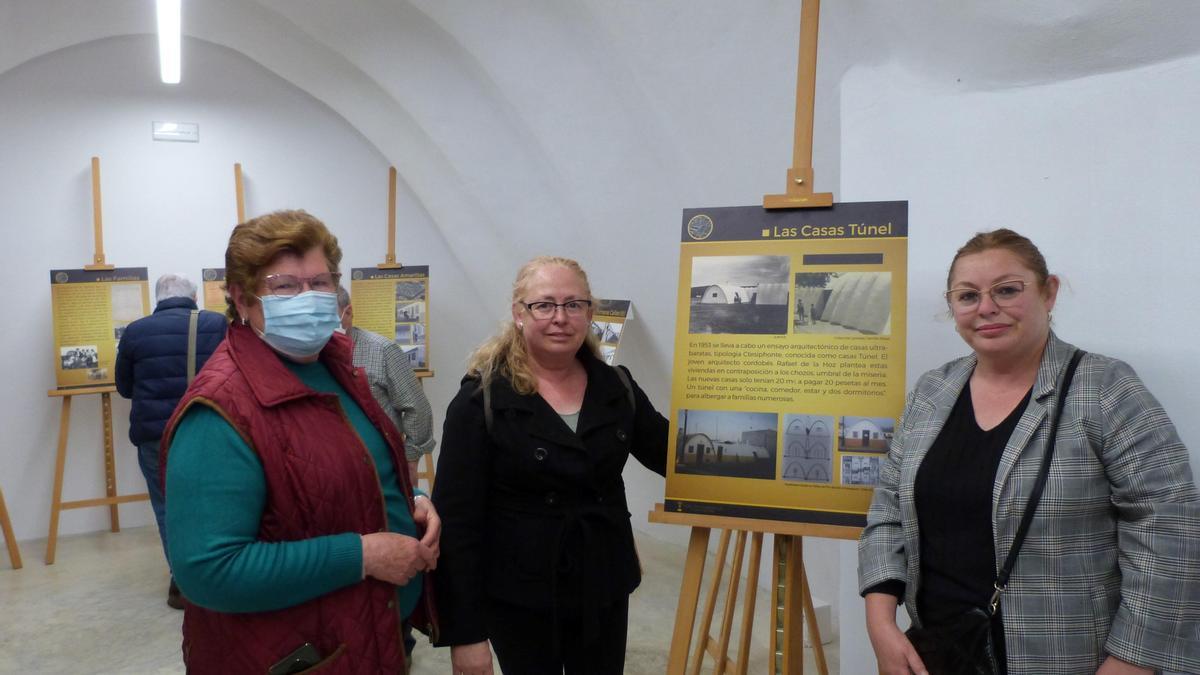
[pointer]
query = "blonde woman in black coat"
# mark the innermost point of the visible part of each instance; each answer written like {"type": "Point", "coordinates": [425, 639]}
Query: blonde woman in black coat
{"type": "Point", "coordinates": [538, 558]}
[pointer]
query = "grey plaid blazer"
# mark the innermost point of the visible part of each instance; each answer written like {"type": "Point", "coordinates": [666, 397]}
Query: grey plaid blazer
{"type": "Point", "coordinates": [1111, 564]}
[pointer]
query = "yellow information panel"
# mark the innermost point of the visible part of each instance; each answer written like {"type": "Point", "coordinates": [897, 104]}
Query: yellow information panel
{"type": "Point", "coordinates": [214, 289]}
{"type": "Point", "coordinates": [789, 360]}
{"type": "Point", "coordinates": [608, 324]}
{"type": "Point", "coordinates": [394, 303]}
{"type": "Point", "coordinates": [91, 310]}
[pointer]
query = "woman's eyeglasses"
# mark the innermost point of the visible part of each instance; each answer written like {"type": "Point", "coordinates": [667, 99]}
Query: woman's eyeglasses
{"type": "Point", "coordinates": [545, 310]}
{"type": "Point", "coordinates": [288, 285]}
{"type": "Point", "coordinates": [1004, 294]}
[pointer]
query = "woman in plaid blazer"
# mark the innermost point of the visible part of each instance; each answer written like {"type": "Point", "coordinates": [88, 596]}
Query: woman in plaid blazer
{"type": "Point", "coordinates": [1108, 579]}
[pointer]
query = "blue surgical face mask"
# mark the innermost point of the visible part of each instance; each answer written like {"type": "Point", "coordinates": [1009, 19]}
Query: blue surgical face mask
{"type": "Point", "coordinates": [299, 325]}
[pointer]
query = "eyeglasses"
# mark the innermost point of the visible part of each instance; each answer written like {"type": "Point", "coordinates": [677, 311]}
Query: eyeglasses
{"type": "Point", "coordinates": [288, 285]}
{"type": "Point", "coordinates": [1004, 294]}
{"type": "Point", "coordinates": [545, 310]}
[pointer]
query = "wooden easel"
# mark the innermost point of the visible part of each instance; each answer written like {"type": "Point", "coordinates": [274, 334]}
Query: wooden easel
{"type": "Point", "coordinates": [239, 191]}
{"type": "Point", "coordinates": [389, 263]}
{"type": "Point", "coordinates": [111, 498]}
{"type": "Point", "coordinates": [10, 539]}
{"type": "Point", "coordinates": [791, 599]}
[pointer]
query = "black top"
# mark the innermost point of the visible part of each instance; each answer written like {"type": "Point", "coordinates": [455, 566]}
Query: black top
{"type": "Point", "coordinates": [533, 513]}
{"type": "Point", "coordinates": [953, 496]}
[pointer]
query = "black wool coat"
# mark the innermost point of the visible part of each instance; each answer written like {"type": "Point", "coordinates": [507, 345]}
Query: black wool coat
{"type": "Point", "coordinates": [534, 514]}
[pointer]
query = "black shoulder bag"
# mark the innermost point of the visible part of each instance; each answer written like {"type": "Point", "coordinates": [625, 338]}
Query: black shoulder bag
{"type": "Point", "coordinates": [964, 646]}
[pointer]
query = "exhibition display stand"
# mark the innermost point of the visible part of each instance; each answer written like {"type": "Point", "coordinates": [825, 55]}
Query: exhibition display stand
{"type": "Point", "coordinates": [791, 599]}
{"type": "Point", "coordinates": [14, 552]}
{"type": "Point", "coordinates": [111, 498]}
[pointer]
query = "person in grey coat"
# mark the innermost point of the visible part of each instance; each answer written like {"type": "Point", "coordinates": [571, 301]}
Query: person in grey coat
{"type": "Point", "coordinates": [1108, 579]}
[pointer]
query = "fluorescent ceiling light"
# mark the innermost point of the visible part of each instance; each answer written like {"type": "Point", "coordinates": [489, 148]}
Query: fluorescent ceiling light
{"type": "Point", "coordinates": [170, 29]}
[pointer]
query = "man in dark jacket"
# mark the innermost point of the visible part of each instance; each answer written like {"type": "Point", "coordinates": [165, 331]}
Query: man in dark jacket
{"type": "Point", "coordinates": [152, 370]}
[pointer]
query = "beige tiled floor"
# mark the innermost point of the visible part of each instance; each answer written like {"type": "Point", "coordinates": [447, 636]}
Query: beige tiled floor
{"type": "Point", "coordinates": [101, 609]}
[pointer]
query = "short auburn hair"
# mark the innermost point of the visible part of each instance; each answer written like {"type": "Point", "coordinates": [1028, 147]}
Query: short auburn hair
{"type": "Point", "coordinates": [256, 243]}
{"type": "Point", "coordinates": [1003, 238]}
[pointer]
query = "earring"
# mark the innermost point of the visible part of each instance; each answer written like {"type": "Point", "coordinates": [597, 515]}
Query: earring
{"type": "Point", "coordinates": [243, 321]}
{"type": "Point", "coordinates": [520, 326]}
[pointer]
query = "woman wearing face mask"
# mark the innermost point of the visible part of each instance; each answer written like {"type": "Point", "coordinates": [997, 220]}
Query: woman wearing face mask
{"type": "Point", "coordinates": [295, 533]}
{"type": "Point", "coordinates": [539, 555]}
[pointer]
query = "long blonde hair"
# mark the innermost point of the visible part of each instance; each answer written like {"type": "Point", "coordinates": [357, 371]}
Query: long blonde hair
{"type": "Point", "coordinates": [505, 352]}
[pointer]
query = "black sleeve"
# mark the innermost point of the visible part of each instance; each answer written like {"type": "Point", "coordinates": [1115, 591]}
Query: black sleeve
{"type": "Point", "coordinates": [461, 495]}
{"type": "Point", "coordinates": [124, 365]}
{"type": "Point", "coordinates": [650, 432]}
{"type": "Point", "coordinates": [891, 587]}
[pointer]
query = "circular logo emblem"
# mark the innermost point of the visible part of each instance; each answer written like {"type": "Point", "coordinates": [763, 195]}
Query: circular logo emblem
{"type": "Point", "coordinates": [699, 227]}
{"type": "Point", "coordinates": [61, 278]}
{"type": "Point", "coordinates": [356, 275]}
{"type": "Point", "coordinates": [210, 275]}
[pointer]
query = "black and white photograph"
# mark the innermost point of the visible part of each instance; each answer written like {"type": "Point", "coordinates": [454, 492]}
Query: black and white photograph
{"type": "Point", "coordinates": [727, 443]}
{"type": "Point", "coordinates": [119, 330]}
{"type": "Point", "coordinates": [410, 312]}
{"type": "Point", "coordinates": [410, 290]}
{"type": "Point", "coordinates": [807, 448]}
{"type": "Point", "coordinates": [739, 294]}
{"type": "Point", "coordinates": [608, 353]}
{"type": "Point", "coordinates": [842, 303]}
{"type": "Point", "coordinates": [416, 356]}
{"type": "Point", "coordinates": [80, 356]}
{"type": "Point", "coordinates": [97, 374]}
{"type": "Point", "coordinates": [860, 470]}
{"type": "Point", "coordinates": [405, 333]}
{"type": "Point", "coordinates": [606, 331]}
{"type": "Point", "coordinates": [126, 303]}
{"type": "Point", "coordinates": [865, 434]}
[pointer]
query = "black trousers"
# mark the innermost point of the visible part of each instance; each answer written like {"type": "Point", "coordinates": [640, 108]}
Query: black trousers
{"type": "Point", "coordinates": [527, 642]}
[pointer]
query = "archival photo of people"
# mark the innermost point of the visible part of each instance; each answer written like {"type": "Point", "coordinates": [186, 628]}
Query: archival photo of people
{"type": "Point", "coordinates": [859, 470]}
{"type": "Point", "coordinates": [725, 443]}
{"type": "Point", "coordinates": [410, 311]}
{"type": "Point", "coordinates": [843, 303]}
{"type": "Point", "coordinates": [608, 353]}
{"type": "Point", "coordinates": [807, 448]}
{"type": "Point", "coordinates": [409, 290]}
{"type": "Point", "coordinates": [865, 434]}
{"type": "Point", "coordinates": [739, 294]}
{"type": "Point", "coordinates": [77, 357]}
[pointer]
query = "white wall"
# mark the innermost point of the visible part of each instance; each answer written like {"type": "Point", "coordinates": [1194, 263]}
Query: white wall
{"type": "Point", "coordinates": [583, 128]}
{"type": "Point", "coordinates": [169, 207]}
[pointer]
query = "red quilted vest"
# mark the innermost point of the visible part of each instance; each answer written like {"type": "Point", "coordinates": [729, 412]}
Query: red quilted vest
{"type": "Point", "coordinates": [320, 480]}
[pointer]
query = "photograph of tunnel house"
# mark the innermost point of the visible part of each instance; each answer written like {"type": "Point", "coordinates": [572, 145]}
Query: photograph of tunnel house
{"type": "Point", "coordinates": [860, 470]}
{"type": "Point", "coordinates": [865, 434]}
{"type": "Point", "coordinates": [807, 448]}
{"type": "Point", "coordinates": [739, 294]}
{"type": "Point", "coordinates": [410, 290]}
{"type": "Point", "coordinates": [727, 443]}
{"type": "Point", "coordinates": [843, 303]}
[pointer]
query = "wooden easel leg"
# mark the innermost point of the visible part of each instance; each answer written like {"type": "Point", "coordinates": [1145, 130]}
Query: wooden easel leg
{"type": "Point", "coordinates": [64, 425]}
{"type": "Point", "coordinates": [787, 635]}
{"type": "Point", "coordinates": [710, 605]}
{"type": "Point", "coordinates": [110, 464]}
{"type": "Point", "coordinates": [814, 630]}
{"type": "Point", "coordinates": [429, 470]}
{"type": "Point", "coordinates": [731, 595]}
{"type": "Point", "coordinates": [689, 597]}
{"type": "Point", "coordinates": [10, 539]}
{"type": "Point", "coordinates": [743, 656]}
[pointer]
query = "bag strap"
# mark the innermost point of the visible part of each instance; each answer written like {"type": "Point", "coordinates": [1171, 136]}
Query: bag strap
{"type": "Point", "coordinates": [1035, 497]}
{"type": "Point", "coordinates": [191, 353]}
{"type": "Point", "coordinates": [488, 416]}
